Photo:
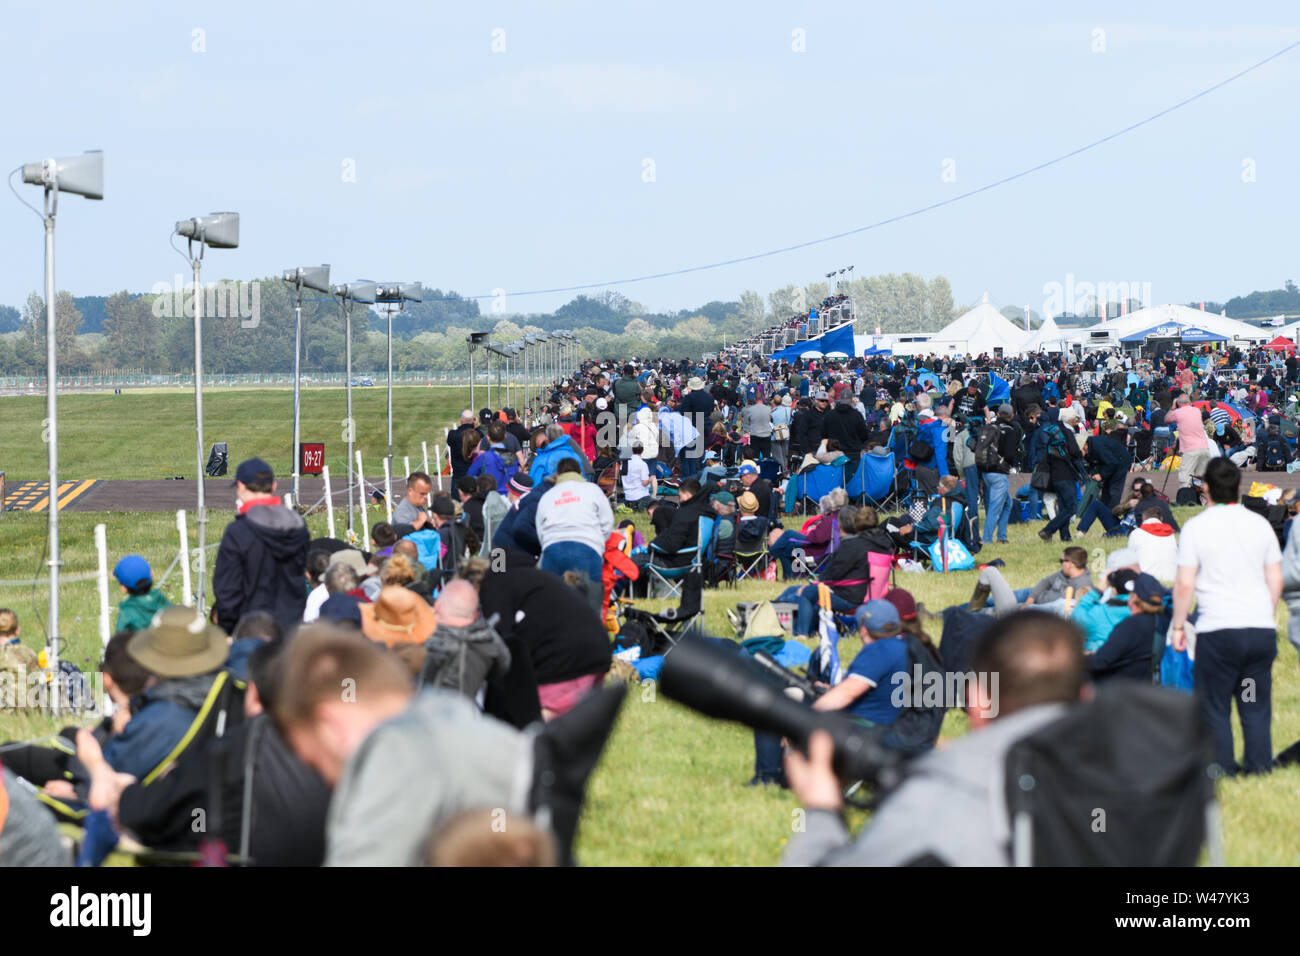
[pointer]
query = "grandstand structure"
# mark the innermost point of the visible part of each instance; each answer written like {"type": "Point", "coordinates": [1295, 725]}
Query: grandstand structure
{"type": "Point", "coordinates": [833, 313]}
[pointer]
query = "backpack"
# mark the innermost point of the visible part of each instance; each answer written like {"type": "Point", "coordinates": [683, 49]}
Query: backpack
{"type": "Point", "coordinates": [917, 726]}
{"type": "Point", "coordinates": [987, 456]}
{"type": "Point", "coordinates": [1276, 455]}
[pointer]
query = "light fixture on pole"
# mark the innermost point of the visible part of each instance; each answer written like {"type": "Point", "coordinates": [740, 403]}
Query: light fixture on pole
{"type": "Point", "coordinates": [83, 176]}
{"type": "Point", "coordinates": [394, 296]}
{"type": "Point", "coordinates": [308, 277]}
{"type": "Point", "coordinates": [217, 231]}
{"type": "Point", "coordinates": [473, 341]}
{"type": "Point", "coordinates": [362, 291]}
{"type": "Point", "coordinates": [530, 341]}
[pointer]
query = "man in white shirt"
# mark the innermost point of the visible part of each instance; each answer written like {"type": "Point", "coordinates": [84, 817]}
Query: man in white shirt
{"type": "Point", "coordinates": [1229, 560]}
{"type": "Point", "coordinates": [638, 485]}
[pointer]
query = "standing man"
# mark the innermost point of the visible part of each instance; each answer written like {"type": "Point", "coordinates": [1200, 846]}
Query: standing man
{"type": "Point", "coordinates": [455, 443]}
{"type": "Point", "coordinates": [756, 422]}
{"type": "Point", "coordinates": [411, 509]}
{"type": "Point", "coordinates": [1229, 560]}
{"type": "Point", "coordinates": [697, 405]}
{"type": "Point", "coordinates": [995, 456]}
{"type": "Point", "coordinates": [1193, 445]}
{"type": "Point", "coordinates": [262, 556]}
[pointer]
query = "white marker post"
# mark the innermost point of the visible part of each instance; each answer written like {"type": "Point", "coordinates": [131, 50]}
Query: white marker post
{"type": "Point", "coordinates": [406, 463]}
{"type": "Point", "coordinates": [329, 499]}
{"type": "Point", "coordinates": [187, 588]}
{"type": "Point", "coordinates": [428, 499]}
{"type": "Point", "coordinates": [388, 492]}
{"type": "Point", "coordinates": [365, 515]}
{"type": "Point", "coordinates": [101, 546]}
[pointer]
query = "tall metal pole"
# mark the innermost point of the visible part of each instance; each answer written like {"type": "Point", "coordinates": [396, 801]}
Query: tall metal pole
{"type": "Point", "coordinates": [351, 425]}
{"type": "Point", "coordinates": [297, 383]}
{"type": "Point", "coordinates": [471, 376]}
{"type": "Point", "coordinates": [389, 312]}
{"type": "Point", "coordinates": [52, 446]}
{"type": "Point", "coordinates": [200, 589]}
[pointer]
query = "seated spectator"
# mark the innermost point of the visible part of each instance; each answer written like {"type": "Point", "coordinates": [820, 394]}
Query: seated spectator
{"type": "Point", "coordinates": [847, 574]}
{"type": "Point", "coordinates": [660, 511]}
{"type": "Point", "coordinates": [683, 532]}
{"type": "Point", "coordinates": [751, 531]}
{"type": "Point", "coordinates": [398, 616]}
{"type": "Point", "coordinates": [818, 537]}
{"type": "Point", "coordinates": [639, 486]}
{"type": "Point", "coordinates": [760, 488]}
{"type": "Point", "coordinates": [1106, 604]}
{"type": "Point", "coordinates": [1126, 655]}
{"type": "Point", "coordinates": [318, 561]}
{"type": "Point", "coordinates": [273, 806]}
{"type": "Point", "coordinates": [142, 602]}
{"type": "Point", "coordinates": [383, 537]}
{"type": "Point", "coordinates": [1156, 546]}
{"type": "Point", "coordinates": [464, 652]}
{"type": "Point", "coordinates": [1058, 592]}
{"type": "Point", "coordinates": [253, 630]}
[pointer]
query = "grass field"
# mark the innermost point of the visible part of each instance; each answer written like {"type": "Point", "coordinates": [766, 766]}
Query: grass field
{"type": "Point", "coordinates": [670, 789]}
{"type": "Point", "coordinates": [151, 435]}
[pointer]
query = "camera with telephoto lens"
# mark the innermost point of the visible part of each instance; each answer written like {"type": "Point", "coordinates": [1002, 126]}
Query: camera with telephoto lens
{"type": "Point", "coordinates": [723, 685]}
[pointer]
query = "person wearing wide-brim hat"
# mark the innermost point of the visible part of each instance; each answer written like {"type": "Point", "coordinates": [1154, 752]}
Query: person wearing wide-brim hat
{"type": "Point", "coordinates": [399, 616]}
{"type": "Point", "coordinates": [183, 654]}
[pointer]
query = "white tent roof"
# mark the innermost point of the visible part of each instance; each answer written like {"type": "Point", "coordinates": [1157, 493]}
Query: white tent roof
{"type": "Point", "coordinates": [982, 329]}
{"type": "Point", "coordinates": [1046, 335]}
{"type": "Point", "coordinates": [1144, 319]}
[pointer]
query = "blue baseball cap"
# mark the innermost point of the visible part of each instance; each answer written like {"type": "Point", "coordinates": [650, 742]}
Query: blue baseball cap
{"type": "Point", "coordinates": [748, 469]}
{"type": "Point", "coordinates": [878, 616]}
{"type": "Point", "coordinates": [342, 608]}
{"type": "Point", "coordinates": [133, 572]}
{"type": "Point", "coordinates": [255, 469]}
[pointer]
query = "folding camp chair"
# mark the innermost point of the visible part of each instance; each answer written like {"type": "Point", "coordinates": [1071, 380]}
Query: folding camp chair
{"type": "Point", "coordinates": [873, 483]}
{"type": "Point", "coordinates": [670, 575]}
{"type": "Point", "coordinates": [750, 564]}
{"type": "Point", "coordinates": [814, 484]}
{"type": "Point", "coordinates": [770, 469]}
{"type": "Point", "coordinates": [671, 625]}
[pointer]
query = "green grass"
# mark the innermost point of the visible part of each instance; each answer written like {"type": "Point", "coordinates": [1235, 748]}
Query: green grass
{"type": "Point", "coordinates": [670, 788]}
{"type": "Point", "coordinates": [150, 434]}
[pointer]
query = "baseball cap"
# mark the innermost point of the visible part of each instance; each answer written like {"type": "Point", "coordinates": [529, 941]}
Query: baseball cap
{"type": "Point", "coordinates": [821, 396]}
{"type": "Point", "coordinates": [748, 469]}
{"type": "Point", "coordinates": [133, 571]}
{"type": "Point", "coordinates": [903, 602]}
{"type": "Point", "coordinates": [1005, 409]}
{"type": "Point", "coordinates": [1147, 588]}
{"type": "Point", "coordinates": [444, 507]}
{"type": "Point", "coordinates": [878, 616]}
{"type": "Point", "coordinates": [1122, 580]}
{"type": "Point", "coordinates": [724, 497]}
{"type": "Point", "coordinates": [254, 469]}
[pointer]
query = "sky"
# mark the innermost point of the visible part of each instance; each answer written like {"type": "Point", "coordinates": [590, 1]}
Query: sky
{"type": "Point", "coordinates": [498, 148]}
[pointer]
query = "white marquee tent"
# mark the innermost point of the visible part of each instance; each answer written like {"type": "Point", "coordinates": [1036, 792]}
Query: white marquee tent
{"type": "Point", "coordinates": [1048, 337]}
{"type": "Point", "coordinates": [982, 329]}
{"type": "Point", "coordinates": [1168, 314]}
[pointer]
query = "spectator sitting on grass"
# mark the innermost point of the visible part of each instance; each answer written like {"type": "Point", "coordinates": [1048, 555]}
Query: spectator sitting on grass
{"type": "Point", "coordinates": [142, 602]}
{"type": "Point", "coordinates": [1058, 592]}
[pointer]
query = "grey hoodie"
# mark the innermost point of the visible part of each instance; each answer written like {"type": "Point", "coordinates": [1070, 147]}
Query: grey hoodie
{"type": "Point", "coordinates": [437, 758]}
{"type": "Point", "coordinates": [951, 807]}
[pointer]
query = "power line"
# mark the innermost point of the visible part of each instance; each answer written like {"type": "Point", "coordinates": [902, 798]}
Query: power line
{"type": "Point", "coordinates": [902, 216]}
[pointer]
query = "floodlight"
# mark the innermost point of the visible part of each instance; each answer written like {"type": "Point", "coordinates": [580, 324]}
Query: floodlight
{"type": "Point", "coordinates": [363, 290]}
{"type": "Point", "coordinates": [82, 175]}
{"type": "Point", "coordinates": [217, 231]}
{"type": "Point", "coordinates": [310, 277]}
{"type": "Point", "coordinates": [360, 291]}
{"type": "Point", "coordinates": [399, 292]}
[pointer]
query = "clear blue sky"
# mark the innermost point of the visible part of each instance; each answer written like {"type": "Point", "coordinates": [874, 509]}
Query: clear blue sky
{"type": "Point", "coordinates": [523, 169]}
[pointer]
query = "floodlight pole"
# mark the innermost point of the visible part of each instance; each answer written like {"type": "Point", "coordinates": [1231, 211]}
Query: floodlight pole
{"type": "Point", "coordinates": [297, 384]}
{"type": "Point", "coordinates": [52, 446]}
{"type": "Point", "coordinates": [346, 305]}
{"type": "Point", "coordinates": [201, 518]}
{"type": "Point", "coordinates": [389, 312]}
{"type": "Point", "coordinates": [471, 373]}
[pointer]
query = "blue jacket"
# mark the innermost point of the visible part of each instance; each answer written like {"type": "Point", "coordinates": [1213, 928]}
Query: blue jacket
{"type": "Point", "coordinates": [1097, 619]}
{"type": "Point", "coordinates": [548, 459]}
{"type": "Point", "coordinates": [498, 463]}
{"type": "Point", "coordinates": [160, 717]}
{"type": "Point", "coordinates": [518, 529]}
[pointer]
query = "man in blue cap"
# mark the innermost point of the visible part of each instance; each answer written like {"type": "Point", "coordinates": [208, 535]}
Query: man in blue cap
{"type": "Point", "coordinates": [263, 554]}
{"type": "Point", "coordinates": [142, 602]}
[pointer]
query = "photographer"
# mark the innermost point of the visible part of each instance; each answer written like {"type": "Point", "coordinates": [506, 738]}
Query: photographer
{"type": "Point", "coordinates": [951, 807]}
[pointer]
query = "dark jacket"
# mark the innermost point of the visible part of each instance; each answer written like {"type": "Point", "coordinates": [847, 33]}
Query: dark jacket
{"type": "Point", "coordinates": [1108, 456]}
{"type": "Point", "coordinates": [283, 825]}
{"type": "Point", "coordinates": [456, 438]}
{"type": "Point", "coordinates": [849, 562]}
{"type": "Point", "coordinates": [845, 425]}
{"type": "Point", "coordinates": [697, 406]}
{"type": "Point", "coordinates": [464, 658]}
{"type": "Point", "coordinates": [260, 566]}
{"type": "Point", "coordinates": [685, 530]}
{"type": "Point", "coordinates": [518, 529]}
{"type": "Point", "coordinates": [1008, 445]}
{"type": "Point", "coordinates": [561, 635]}
{"type": "Point", "coordinates": [1053, 440]}
{"type": "Point", "coordinates": [806, 430]}
{"type": "Point", "coordinates": [159, 719]}
{"type": "Point", "coordinates": [1127, 652]}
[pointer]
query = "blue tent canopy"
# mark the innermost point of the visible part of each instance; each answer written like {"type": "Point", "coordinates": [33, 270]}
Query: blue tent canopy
{"type": "Point", "coordinates": [999, 390]}
{"type": "Point", "coordinates": [1175, 330]}
{"type": "Point", "coordinates": [840, 340]}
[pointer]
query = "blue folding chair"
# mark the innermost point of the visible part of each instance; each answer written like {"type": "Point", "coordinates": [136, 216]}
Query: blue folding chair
{"type": "Point", "coordinates": [670, 576]}
{"type": "Point", "coordinates": [820, 481]}
{"type": "Point", "coordinates": [873, 483]}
